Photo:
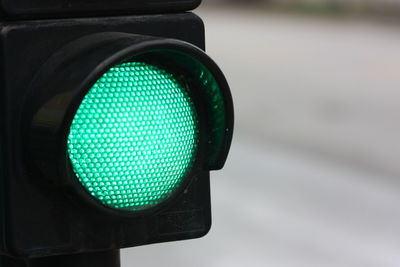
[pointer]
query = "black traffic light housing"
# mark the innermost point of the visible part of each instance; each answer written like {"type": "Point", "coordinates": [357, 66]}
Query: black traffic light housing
{"type": "Point", "coordinates": [41, 214]}
{"type": "Point", "coordinates": [17, 9]}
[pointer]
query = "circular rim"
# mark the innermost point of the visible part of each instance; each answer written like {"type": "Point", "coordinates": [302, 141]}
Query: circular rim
{"type": "Point", "coordinates": [185, 180]}
{"type": "Point", "coordinates": [141, 47]}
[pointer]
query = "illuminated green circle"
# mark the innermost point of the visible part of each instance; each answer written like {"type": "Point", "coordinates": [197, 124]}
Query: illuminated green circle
{"type": "Point", "coordinates": [133, 138]}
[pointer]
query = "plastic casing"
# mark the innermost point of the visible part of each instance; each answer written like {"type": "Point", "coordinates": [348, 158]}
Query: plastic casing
{"type": "Point", "coordinates": [35, 220]}
{"type": "Point", "coordinates": [16, 9]}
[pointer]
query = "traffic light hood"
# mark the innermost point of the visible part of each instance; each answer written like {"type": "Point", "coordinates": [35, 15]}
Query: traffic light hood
{"type": "Point", "coordinates": [130, 176]}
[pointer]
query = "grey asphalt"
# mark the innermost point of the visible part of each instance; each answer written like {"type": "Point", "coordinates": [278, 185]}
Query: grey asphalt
{"type": "Point", "coordinates": [312, 179]}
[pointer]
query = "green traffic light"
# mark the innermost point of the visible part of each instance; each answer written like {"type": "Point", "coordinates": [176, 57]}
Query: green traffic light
{"type": "Point", "coordinates": [134, 137]}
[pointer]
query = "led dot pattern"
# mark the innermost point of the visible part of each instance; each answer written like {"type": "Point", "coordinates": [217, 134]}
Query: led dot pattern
{"type": "Point", "coordinates": [134, 137]}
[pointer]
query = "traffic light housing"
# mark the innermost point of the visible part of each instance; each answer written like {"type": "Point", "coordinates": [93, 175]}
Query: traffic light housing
{"type": "Point", "coordinates": [23, 9]}
{"type": "Point", "coordinates": [110, 127]}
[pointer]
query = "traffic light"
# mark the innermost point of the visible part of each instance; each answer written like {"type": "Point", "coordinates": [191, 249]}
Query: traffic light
{"type": "Point", "coordinates": [110, 126]}
{"type": "Point", "coordinates": [22, 9]}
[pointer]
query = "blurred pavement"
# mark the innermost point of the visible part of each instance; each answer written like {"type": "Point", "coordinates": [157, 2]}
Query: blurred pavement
{"type": "Point", "coordinates": [313, 176]}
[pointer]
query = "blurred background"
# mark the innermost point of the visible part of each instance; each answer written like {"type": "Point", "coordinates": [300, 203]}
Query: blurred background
{"type": "Point", "coordinates": [313, 178]}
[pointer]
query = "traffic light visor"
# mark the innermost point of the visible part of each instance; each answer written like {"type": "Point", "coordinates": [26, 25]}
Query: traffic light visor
{"type": "Point", "coordinates": [129, 121]}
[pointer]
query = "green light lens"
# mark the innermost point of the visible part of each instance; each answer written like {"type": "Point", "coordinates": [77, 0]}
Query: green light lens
{"type": "Point", "coordinates": [134, 138]}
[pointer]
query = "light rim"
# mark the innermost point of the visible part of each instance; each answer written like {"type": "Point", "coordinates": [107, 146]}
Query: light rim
{"type": "Point", "coordinates": [105, 50]}
{"type": "Point", "coordinates": [128, 54]}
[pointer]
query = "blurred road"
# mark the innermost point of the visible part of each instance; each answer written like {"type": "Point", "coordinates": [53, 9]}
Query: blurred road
{"type": "Point", "coordinates": [313, 177]}
{"type": "Point", "coordinates": [327, 85]}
